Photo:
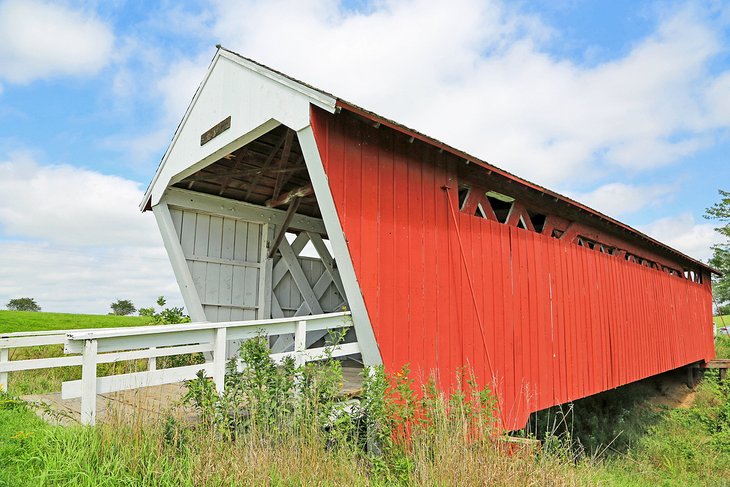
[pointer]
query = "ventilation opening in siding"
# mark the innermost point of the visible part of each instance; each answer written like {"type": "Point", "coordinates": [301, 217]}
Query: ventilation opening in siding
{"type": "Point", "coordinates": [501, 204]}
{"type": "Point", "coordinates": [463, 193]}
{"type": "Point", "coordinates": [538, 221]}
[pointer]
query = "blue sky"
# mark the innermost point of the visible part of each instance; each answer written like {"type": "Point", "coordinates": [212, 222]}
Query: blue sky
{"type": "Point", "coordinates": [622, 105]}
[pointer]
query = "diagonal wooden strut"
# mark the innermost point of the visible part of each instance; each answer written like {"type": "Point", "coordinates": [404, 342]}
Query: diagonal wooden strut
{"type": "Point", "coordinates": [288, 197]}
{"type": "Point", "coordinates": [290, 212]}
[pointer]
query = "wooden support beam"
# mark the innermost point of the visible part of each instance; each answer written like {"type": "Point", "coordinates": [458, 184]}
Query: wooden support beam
{"type": "Point", "coordinates": [241, 173]}
{"type": "Point", "coordinates": [283, 162]}
{"type": "Point", "coordinates": [236, 163]}
{"type": "Point", "coordinates": [215, 205]}
{"type": "Point", "coordinates": [265, 165]}
{"type": "Point", "coordinates": [293, 205]}
{"type": "Point", "coordinates": [476, 199]}
{"type": "Point", "coordinates": [518, 213]}
{"type": "Point", "coordinates": [289, 172]}
{"type": "Point", "coordinates": [290, 196]}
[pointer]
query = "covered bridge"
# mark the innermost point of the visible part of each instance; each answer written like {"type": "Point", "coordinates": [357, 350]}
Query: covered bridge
{"type": "Point", "coordinates": [443, 259]}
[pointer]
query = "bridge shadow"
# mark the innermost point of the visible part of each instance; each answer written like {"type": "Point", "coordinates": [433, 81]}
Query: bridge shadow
{"type": "Point", "coordinates": [611, 421]}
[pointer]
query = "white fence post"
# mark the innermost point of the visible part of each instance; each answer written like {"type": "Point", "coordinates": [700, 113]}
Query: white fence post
{"type": "Point", "coordinates": [88, 383]}
{"type": "Point", "coordinates": [300, 342]}
{"type": "Point", "coordinates": [4, 357]}
{"type": "Point", "coordinates": [219, 359]}
{"type": "Point", "coordinates": [152, 361]}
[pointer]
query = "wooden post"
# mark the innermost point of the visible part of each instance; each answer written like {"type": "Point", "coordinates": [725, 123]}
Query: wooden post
{"type": "Point", "coordinates": [219, 359]}
{"type": "Point", "coordinates": [4, 375]}
{"type": "Point", "coordinates": [88, 383]}
{"type": "Point", "coordinates": [152, 361]}
{"type": "Point", "coordinates": [300, 342]}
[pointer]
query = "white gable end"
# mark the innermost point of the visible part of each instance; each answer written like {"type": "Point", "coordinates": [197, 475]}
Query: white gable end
{"type": "Point", "coordinates": [256, 99]}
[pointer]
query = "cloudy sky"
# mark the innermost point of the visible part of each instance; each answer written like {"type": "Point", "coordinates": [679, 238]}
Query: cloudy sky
{"type": "Point", "coordinates": [624, 105]}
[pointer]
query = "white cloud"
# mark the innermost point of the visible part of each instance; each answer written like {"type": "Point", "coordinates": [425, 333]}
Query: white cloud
{"type": "Point", "coordinates": [84, 280]}
{"type": "Point", "coordinates": [41, 39]}
{"type": "Point", "coordinates": [618, 199]}
{"type": "Point", "coordinates": [179, 83]}
{"type": "Point", "coordinates": [75, 240]}
{"type": "Point", "coordinates": [71, 206]}
{"type": "Point", "coordinates": [683, 233]}
{"type": "Point", "coordinates": [474, 74]}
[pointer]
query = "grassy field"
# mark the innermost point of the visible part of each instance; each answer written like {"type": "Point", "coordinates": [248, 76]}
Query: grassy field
{"type": "Point", "coordinates": [633, 435]}
{"type": "Point", "coordinates": [16, 321]}
{"type": "Point", "coordinates": [49, 380]}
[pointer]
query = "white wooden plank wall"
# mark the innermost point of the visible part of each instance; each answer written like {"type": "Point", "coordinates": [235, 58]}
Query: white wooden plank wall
{"type": "Point", "coordinates": [223, 255]}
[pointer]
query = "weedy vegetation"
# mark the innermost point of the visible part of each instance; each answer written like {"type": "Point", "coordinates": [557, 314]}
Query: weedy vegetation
{"type": "Point", "coordinates": [290, 425]}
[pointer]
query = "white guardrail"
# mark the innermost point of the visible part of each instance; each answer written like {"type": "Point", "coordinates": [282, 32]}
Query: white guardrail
{"type": "Point", "coordinates": [107, 345]}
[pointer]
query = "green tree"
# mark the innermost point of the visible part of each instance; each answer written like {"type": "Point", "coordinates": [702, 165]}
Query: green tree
{"type": "Point", "coordinates": [23, 304]}
{"type": "Point", "coordinates": [123, 307]}
{"type": "Point", "coordinates": [720, 260]}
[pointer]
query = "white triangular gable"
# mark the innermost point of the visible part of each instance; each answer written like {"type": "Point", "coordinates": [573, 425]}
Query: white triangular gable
{"type": "Point", "coordinates": [256, 98]}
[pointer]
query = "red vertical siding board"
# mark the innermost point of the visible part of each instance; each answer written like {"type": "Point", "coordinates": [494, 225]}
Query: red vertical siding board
{"type": "Point", "coordinates": [617, 325]}
{"type": "Point", "coordinates": [533, 321]}
{"type": "Point", "coordinates": [353, 191]}
{"type": "Point", "coordinates": [387, 289]}
{"type": "Point", "coordinates": [494, 331]}
{"type": "Point", "coordinates": [563, 379]}
{"type": "Point", "coordinates": [444, 263]}
{"type": "Point", "coordinates": [567, 322]}
{"type": "Point", "coordinates": [370, 227]}
{"type": "Point", "coordinates": [559, 378]}
{"type": "Point", "coordinates": [467, 319]}
{"type": "Point", "coordinates": [400, 264]}
{"type": "Point", "coordinates": [581, 354]}
{"type": "Point", "coordinates": [503, 337]}
{"type": "Point", "coordinates": [430, 276]}
{"type": "Point", "coordinates": [602, 322]}
{"type": "Point", "coordinates": [414, 258]}
{"type": "Point", "coordinates": [591, 258]}
{"type": "Point", "coordinates": [584, 304]}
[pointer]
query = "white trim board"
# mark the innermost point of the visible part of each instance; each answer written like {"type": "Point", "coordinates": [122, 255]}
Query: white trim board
{"type": "Point", "coordinates": [361, 320]}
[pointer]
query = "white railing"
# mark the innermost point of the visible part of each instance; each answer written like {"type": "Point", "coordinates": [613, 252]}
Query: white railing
{"type": "Point", "coordinates": [149, 342]}
{"type": "Point", "coordinates": [9, 341]}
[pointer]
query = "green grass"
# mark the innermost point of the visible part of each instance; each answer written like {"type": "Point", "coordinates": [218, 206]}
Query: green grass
{"type": "Point", "coordinates": [17, 321]}
{"type": "Point", "coordinates": [49, 380]}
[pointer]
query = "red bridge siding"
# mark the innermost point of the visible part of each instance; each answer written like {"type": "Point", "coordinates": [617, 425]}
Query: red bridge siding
{"type": "Point", "coordinates": [561, 321]}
